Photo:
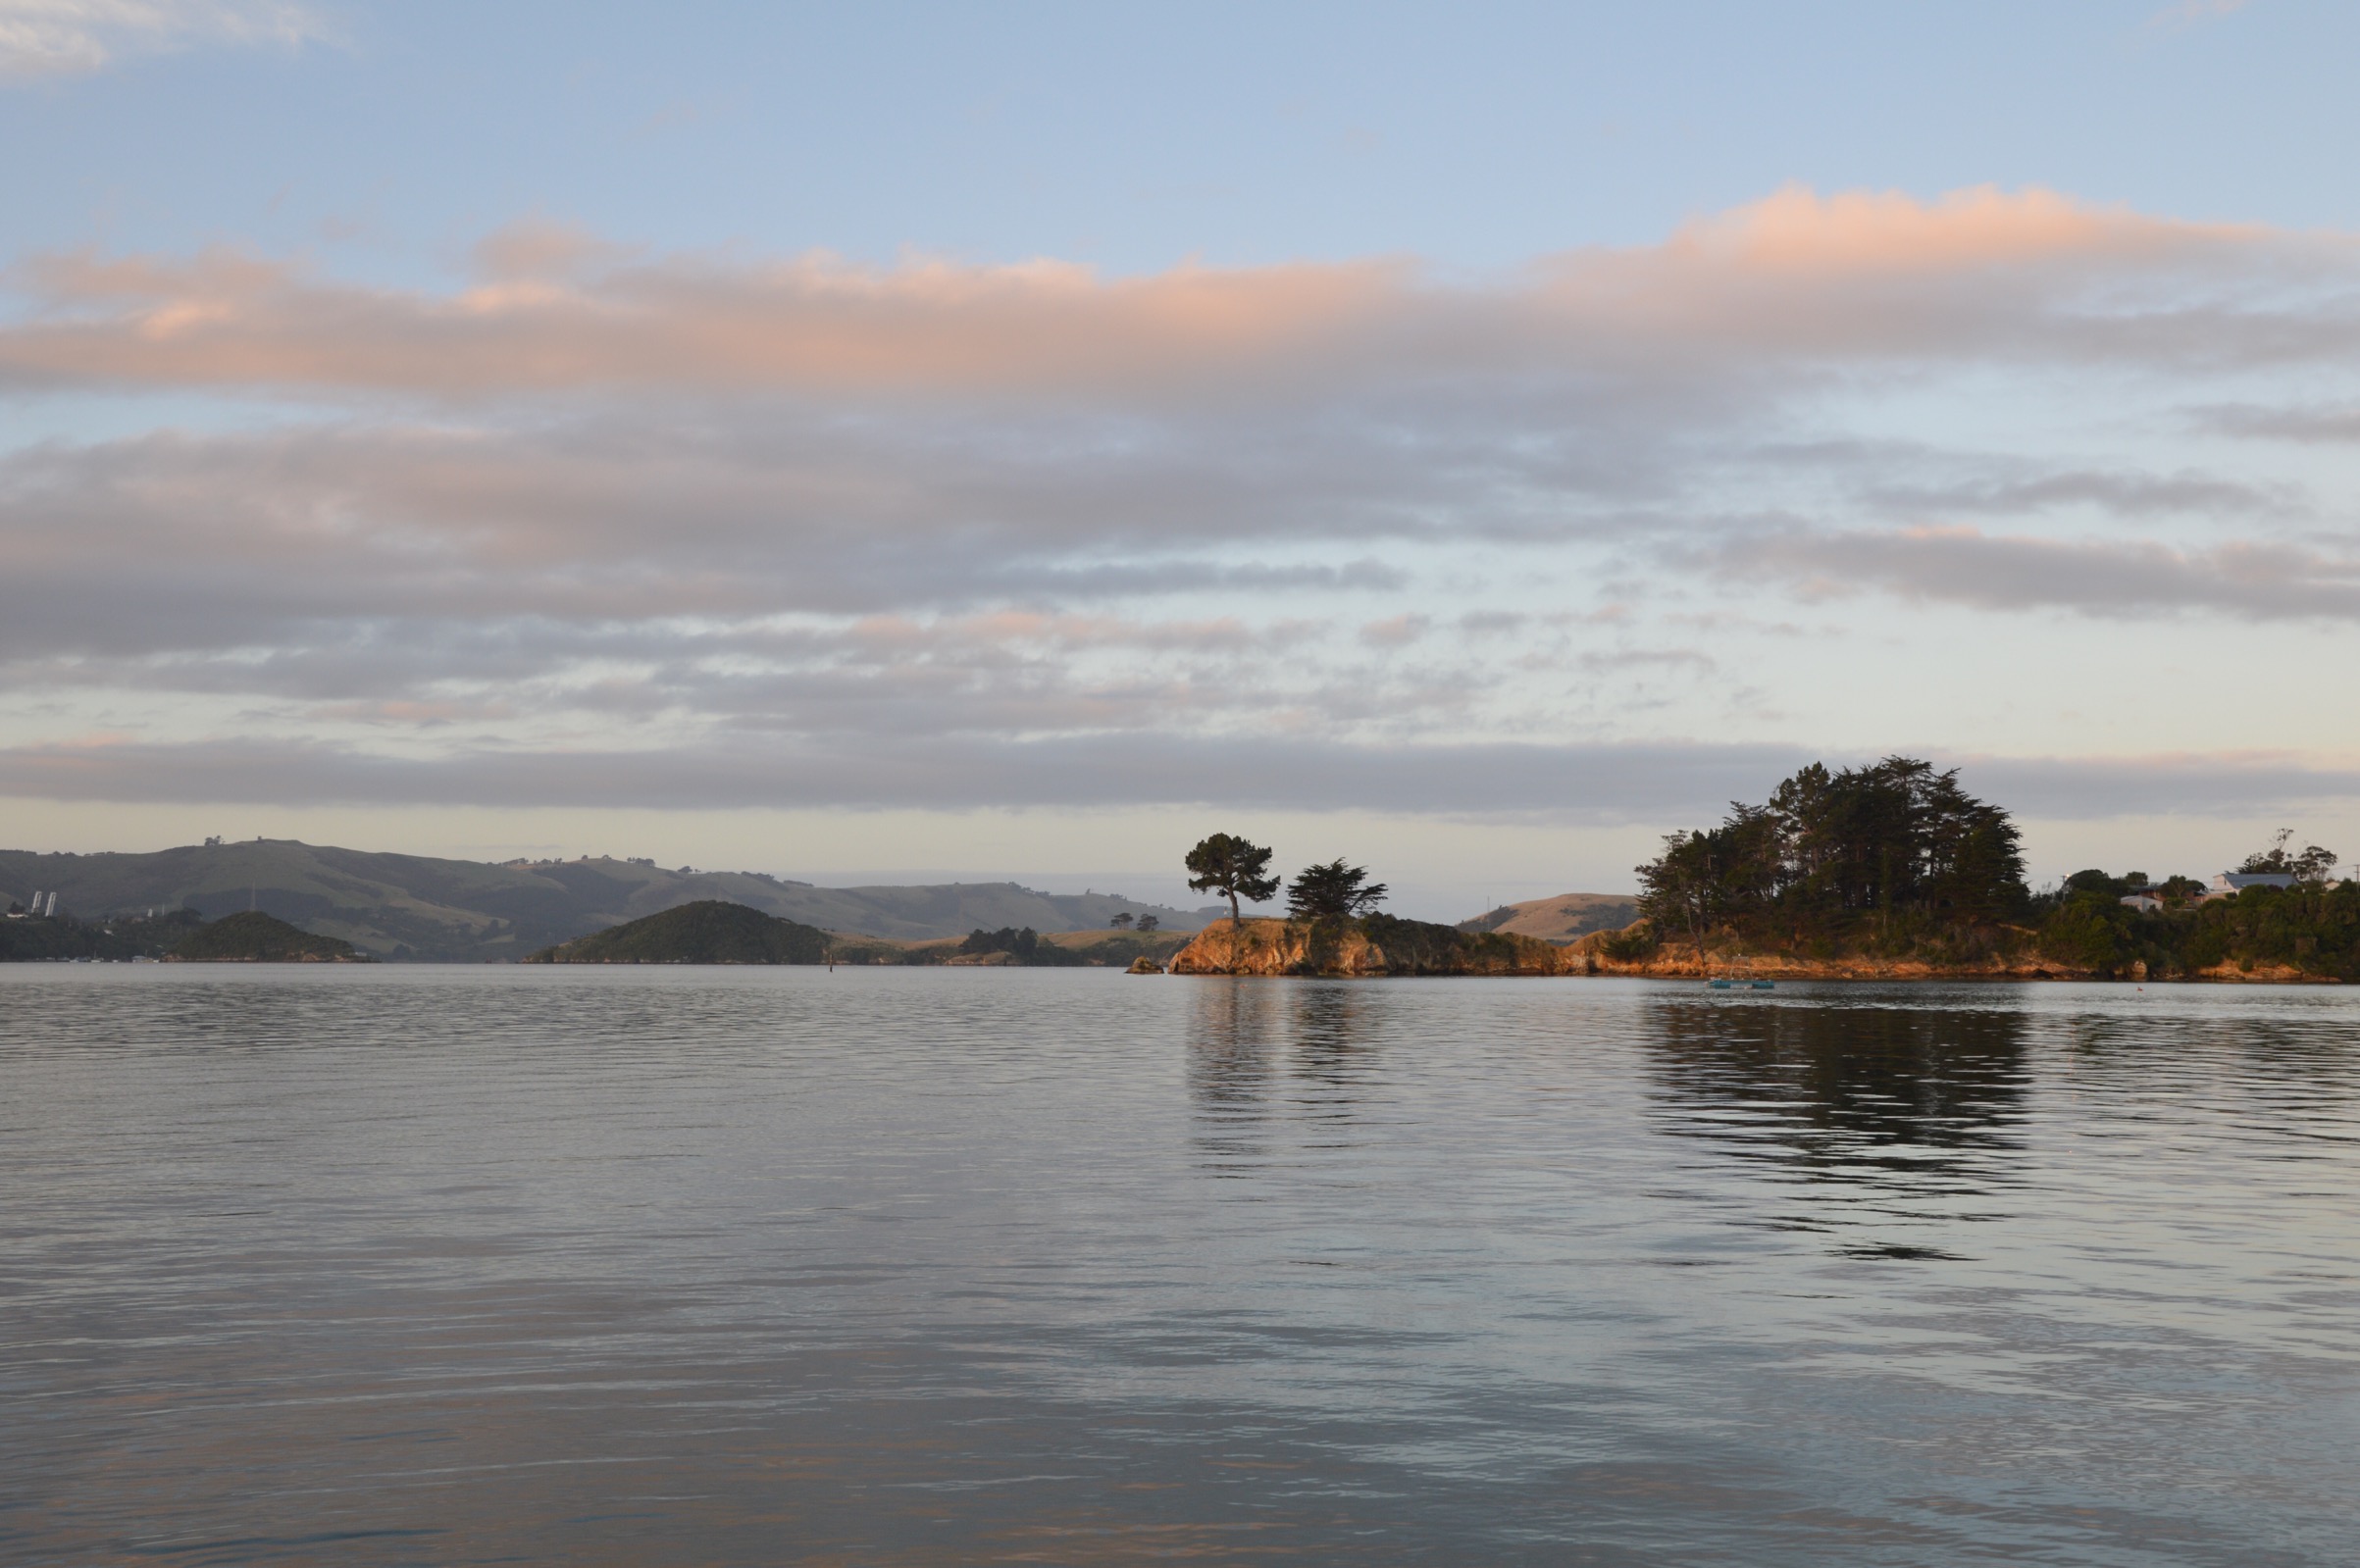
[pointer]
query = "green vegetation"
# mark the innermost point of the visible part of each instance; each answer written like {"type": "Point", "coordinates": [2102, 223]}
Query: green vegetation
{"type": "Point", "coordinates": [1233, 867]}
{"type": "Point", "coordinates": [1022, 948]}
{"type": "Point", "coordinates": [2312, 865]}
{"type": "Point", "coordinates": [62, 937]}
{"type": "Point", "coordinates": [251, 937]}
{"type": "Point", "coordinates": [1029, 949]}
{"type": "Point", "coordinates": [1893, 860]}
{"type": "Point", "coordinates": [1332, 891]}
{"type": "Point", "coordinates": [1423, 947]}
{"type": "Point", "coordinates": [2309, 931]}
{"type": "Point", "coordinates": [707, 931]}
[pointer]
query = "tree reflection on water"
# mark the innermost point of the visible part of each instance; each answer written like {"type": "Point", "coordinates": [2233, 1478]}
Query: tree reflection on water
{"type": "Point", "coordinates": [1260, 1052]}
{"type": "Point", "coordinates": [1230, 1032]}
{"type": "Point", "coordinates": [1883, 1094]}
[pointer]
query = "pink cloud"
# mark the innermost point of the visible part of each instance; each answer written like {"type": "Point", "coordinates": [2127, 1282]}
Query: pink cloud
{"type": "Point", "coordinates": [1799, 231]}
{"type": "Point", "coordinates": [556, 310]}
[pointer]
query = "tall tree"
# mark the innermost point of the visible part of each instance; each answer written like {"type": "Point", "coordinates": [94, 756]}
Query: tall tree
{"type": "Point", "coordinates": [1236, 868]}
{"type": "Point", "coordinates": [1333, 890]}
{"type": "Point", "coordinates": [2312, 865]}
{"type": "Point", "coordinates": [1834, 849]}
{"type": "Point", "coordinates": [1683, 887]}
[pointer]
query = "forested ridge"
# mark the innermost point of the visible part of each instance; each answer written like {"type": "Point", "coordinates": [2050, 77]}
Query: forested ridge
{"type": "Point", "coordinates": [1896, 861]}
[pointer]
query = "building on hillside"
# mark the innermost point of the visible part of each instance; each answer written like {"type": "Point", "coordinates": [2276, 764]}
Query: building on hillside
{"type": "Point", "coordinates": [2145, 903]}
{"type": "Point", "coordinates": [2232, 881]}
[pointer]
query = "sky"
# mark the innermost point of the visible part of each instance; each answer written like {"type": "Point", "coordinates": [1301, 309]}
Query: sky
{"type": "Point", "coordinates": [916, 442]}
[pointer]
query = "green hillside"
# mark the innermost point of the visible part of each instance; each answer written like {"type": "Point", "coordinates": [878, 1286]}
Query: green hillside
{"type": "Point", "coordinates": [414, 906]}
{"type": "Point", "coordinates": [707, 931]}
{"type": "Point", "coordinates": [251, 937]}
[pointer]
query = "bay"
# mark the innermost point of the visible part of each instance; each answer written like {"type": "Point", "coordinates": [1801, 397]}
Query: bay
{"type": "Point", "coordinates": [452, 1265]}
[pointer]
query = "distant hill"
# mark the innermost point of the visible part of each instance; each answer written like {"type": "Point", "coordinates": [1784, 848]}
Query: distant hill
{"type": "Point", "coordinates": [251, 937]}
{"type": "Point", "coordinates": [707, 931]}
{"type": "Point", "coordinates": [1565, 918]}
{"type": "Point", "coordinates": [414, 906]}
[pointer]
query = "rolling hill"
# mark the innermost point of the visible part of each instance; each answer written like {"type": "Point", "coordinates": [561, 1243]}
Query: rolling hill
{"type": "Point", "coordinates": [1565, 918]}
{"type": "Point", "coordinates": [418, 907]}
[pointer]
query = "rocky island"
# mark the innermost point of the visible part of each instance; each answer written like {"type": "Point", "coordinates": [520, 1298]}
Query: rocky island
{"type": "Point", "coordinates": [1364, 945]}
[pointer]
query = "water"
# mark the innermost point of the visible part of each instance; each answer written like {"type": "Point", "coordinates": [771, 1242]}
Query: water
{"type": "Point", "coordinates": [884, 1267]}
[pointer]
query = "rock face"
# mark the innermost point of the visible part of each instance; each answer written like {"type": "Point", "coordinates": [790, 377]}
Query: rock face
{"type": "Point", "coordinates": [251, 937]}
{"type": "Point", "coordinates": [708, 932]}
{"type": "Point", "coordinates": [1378, 945]}
{"type": "Point", "coordinates": [1633, 953]}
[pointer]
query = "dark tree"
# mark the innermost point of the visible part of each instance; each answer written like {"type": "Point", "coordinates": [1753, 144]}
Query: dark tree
{"type": "Point", "coordinates": [1233, 867]}
{"type": "Point", "coordinates": [1022, 945]}
{"type": "Point", "coordinates": [1149, 922]}
{"type": "Point", "coordinates": [1833, 853]}
{"type": "Point", "coordinates": [2312, 865]}
{"type": "Point", "coordinates": [1333, 890]}
{"type": "Point", "coordinates": [1121, 921]}
{"type": "Point", "coordinates": [1684, 886]}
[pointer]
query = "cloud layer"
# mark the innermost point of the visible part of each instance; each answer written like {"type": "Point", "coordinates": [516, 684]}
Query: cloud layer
{"type": "Point", "coordinates": [55, 37]}
{"type": "Point", "coordinates": [594, 523]}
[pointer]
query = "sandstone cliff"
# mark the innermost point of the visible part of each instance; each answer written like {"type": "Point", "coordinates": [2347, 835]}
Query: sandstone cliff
{"type": "Point", "coordinates": [1596, 954]}
{"type": "Point", "coordinates": [1378, 945]}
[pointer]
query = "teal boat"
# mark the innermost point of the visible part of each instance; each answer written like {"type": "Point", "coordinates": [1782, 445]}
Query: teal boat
{"type": "Point", "coordinates": [1741, 985]}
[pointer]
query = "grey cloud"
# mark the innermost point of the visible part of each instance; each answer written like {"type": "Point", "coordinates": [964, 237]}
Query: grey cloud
{"type": "Point", "coordinates": [1667, 784]}
{"type": "Point", "coordinates": [2074, 788]}
{"type": "Point", "coordinates": [2122, 494]}
{"type": "Point", "coordinates": [2105, 578]}
{"type": "Point", "coordinates": [769, 506]}
{"type": "Point", "coordinates": [1602, 783]}
{"type": "Point", "coordinates": [2334, 425]}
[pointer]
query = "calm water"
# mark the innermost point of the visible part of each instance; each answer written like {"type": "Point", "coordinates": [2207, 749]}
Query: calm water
{"type": "Point", "coordinates": [881, 1267]}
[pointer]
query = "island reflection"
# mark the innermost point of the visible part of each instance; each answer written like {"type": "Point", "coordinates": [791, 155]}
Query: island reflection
{"type": "Point", "coordinates": [1844, 1091]}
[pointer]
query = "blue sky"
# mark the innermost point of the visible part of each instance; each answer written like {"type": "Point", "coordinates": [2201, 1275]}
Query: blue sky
{"type": "Point", "coordinates": [1473, 440]}
{"type": "Point", "coordinates": [1135, 136]}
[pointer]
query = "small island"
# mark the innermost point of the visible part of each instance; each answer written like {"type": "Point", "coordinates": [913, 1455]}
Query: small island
{"type": "Point", "coordinates": [707, 931]}
{"type": "Point", "coordinates": [251, 937]}
{"type": "Point", "coordinates": [1360, 945]}
{"type": "Point", "coordinates": [1333, 926]}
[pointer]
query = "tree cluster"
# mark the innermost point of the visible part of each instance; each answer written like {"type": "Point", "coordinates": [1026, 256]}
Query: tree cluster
{"type": "Point", "coordinates": [2311, 865]}
{"type": "Point", "coordinates": [1890, 852]}
{"type": "Point", "coordinates": [1022, 945]}
{"type": "Point", "coordinates": [2310, 929]}
{"type": "Point", "coordinates": [1239, 869]}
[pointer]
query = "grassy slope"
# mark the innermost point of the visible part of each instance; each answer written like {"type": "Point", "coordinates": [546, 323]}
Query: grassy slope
{"type": "Point", "coordinates": [1565, 918]}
